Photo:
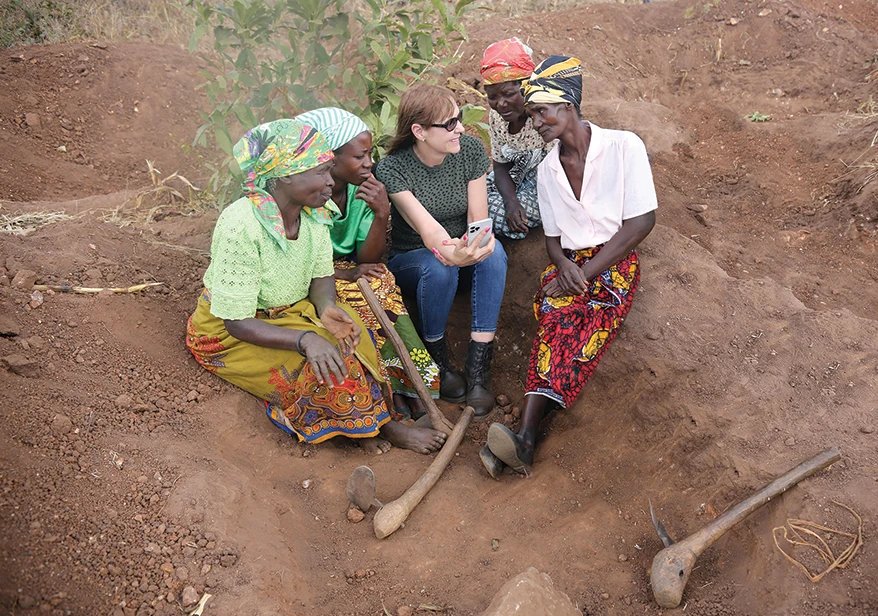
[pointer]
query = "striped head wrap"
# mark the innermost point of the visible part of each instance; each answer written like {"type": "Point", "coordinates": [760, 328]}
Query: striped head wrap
{"type": "Point", "coordinates": [506, 60]}
{"type": "Point", "coordinates": [336, 125]}
{"type": "Point", "coordinates": [275, 150]}
{"type": "Point", "coordinates": [557, 79]}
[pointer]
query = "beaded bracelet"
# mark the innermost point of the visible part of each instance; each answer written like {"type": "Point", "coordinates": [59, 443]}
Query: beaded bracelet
{"type": "Point", "coordinates": [299, 339]}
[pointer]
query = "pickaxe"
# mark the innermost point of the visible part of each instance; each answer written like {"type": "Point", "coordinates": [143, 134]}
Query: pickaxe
{"type": "Point", "coordinates": [671, 567]}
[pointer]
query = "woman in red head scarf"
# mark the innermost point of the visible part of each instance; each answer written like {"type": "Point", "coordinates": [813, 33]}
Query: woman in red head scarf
{"type": "Point", "coordinates": [516, 147]}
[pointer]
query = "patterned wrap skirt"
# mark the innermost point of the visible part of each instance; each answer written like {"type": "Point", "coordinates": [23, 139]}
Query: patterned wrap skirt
{"type": "Point", "coordinates": [390, 365]}
{"type": "Point", "coordinates": [295, 400]}
{"type": "Point", "coordinates": [574, 332]}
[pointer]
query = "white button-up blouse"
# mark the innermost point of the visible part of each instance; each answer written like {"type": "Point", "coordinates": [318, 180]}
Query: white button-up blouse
{"type": "Point", "coordinates": [616, 185]}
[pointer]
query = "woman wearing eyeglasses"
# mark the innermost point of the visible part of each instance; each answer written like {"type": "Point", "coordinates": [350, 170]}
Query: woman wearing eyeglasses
{"type": "Point", "coordinates": [435, 177]}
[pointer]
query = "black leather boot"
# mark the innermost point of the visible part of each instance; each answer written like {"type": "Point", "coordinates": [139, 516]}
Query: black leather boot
{"type": "Point", "coordinates": [452, 387]}
{"type": "Point", "coordinates": [478, 377]}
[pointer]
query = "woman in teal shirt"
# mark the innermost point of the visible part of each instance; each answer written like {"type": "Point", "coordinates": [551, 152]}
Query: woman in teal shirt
{"type": "Point", "coordinates": [359, 240]}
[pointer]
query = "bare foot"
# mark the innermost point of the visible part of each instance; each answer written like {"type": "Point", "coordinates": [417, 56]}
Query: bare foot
{"type": "Point", "coordinates": [421, 440]}
{"type": "Point", "coordinates": [375, 445]}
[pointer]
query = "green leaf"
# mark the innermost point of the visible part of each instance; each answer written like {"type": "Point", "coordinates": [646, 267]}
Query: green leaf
{"type": "Point", "coordinates": [223, 140]}
{"type": "Point", "coordinates": [197, 34]}
{"type": "Point", "coordinates": [473, 114]}
{"type": "Point", "coordinates": [380, 52]}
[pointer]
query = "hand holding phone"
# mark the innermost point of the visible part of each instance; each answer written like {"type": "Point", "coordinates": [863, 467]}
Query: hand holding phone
{"type": "Point", "coordinates": [476, 229]}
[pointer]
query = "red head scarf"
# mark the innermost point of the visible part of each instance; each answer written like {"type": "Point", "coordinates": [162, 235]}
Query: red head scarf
{"type": "Point", "coordinates": [507, 60]}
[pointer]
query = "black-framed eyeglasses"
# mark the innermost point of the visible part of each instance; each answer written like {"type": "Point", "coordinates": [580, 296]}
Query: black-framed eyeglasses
{"type": "Point", "coordinates": [451, 124]}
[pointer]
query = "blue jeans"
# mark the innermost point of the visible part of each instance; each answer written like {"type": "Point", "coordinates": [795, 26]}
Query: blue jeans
{"type": "Point", "coordinates": [420, 274]}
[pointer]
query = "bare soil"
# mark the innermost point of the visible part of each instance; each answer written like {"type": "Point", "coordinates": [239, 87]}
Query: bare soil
{"type": "Point", "coordinates": [128, 473]}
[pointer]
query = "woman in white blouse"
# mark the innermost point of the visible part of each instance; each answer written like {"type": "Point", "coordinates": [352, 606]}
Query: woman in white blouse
{"type": "Point", "coordinates": [597, 203]}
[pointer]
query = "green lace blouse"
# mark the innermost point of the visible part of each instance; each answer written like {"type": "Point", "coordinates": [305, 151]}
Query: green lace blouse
{"type": "Point", "coordinates": [250, 271]}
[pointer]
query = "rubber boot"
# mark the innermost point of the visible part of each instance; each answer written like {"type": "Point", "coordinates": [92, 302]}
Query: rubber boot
{"type": "Point", "coordinates": [452, 387]}
{"type": "Point", "coordinates": [478, 377]}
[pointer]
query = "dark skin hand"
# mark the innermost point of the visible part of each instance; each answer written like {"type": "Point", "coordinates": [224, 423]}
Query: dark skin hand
{"type": "Point", "coordinates": [324, 356]}
{"type": "Point", "coordinates": [574, 280]}
{"type": "Point", "coordinates": [372, 249]}
{"type": "Point", "coordinates": [515, 216]}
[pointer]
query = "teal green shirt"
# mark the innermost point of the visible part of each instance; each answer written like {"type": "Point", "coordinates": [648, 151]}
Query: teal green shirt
{"type": "Point", "coordinates": [249, 270]}
{"type": "Point", "coordinates": [350, 231]}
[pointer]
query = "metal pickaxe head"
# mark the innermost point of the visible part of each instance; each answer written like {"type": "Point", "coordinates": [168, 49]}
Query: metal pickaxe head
{"type": "Point", "coordinates": [660, 528]}
{"type": "Point", "coordinates": [361, 488]}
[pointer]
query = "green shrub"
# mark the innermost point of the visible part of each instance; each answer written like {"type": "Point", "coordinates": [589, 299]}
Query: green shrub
{"type": "Point", "coordinates": [278, 58]}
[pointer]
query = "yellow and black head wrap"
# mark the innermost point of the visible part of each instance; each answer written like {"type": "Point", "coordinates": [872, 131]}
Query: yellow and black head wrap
{"type": "Point", "coordinates": [557, 79]}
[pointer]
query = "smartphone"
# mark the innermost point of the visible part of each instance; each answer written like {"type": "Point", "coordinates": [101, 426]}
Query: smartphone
{"type": "Point", "coordinates": [475, 228]}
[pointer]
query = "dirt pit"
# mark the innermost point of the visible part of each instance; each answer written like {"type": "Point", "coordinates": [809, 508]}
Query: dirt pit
{"type": "Point", "coordinates": [131, 480]}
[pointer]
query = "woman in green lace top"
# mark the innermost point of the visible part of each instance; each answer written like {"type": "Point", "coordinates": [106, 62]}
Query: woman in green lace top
{"type": "Point", "coordinates": [268, 320]}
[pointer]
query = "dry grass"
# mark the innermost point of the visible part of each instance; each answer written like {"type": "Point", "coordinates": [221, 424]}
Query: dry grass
{"type": "Point", "coordinates": [172, 195]}
{"type": "Point", "coordinates": [27, 223]}
{"type": "Point", "coordinates": [27, 22]}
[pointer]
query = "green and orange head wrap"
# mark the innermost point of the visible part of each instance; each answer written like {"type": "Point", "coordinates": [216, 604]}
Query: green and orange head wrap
{"type": "Point", "coordinates": [557, 79]}
{"type": "Point", "coordinates": [275, 150]}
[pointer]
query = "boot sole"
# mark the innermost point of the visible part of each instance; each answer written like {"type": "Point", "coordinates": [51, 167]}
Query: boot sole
{"type": "Point", "coordinates": [504, 445]}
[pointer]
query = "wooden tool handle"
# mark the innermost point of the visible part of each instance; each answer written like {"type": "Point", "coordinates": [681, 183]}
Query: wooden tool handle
{"type": "Point", "coordinates": [391, 516]}
{"type": "Point", "coordinates": [436, 417]}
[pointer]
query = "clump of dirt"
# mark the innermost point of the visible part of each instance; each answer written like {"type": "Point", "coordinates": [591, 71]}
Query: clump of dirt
{"type": "Point", "coordinates": [133, 481]}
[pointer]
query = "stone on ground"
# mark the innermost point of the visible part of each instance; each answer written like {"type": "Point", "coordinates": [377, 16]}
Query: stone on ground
{"type": "Point", "coordinates": [531, 593]}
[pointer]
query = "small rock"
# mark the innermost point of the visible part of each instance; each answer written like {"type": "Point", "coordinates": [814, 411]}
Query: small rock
{"type": "Point", "coordinates": [190, 596]}
{"type": "Point", "coordinates": [26, 602]}
{"type": "Point", "coordinates": [502, 400]}
{"type": "Point", "coordinates": [856, 585]}
{"type": "Point", "coordinates": [516, 412]}
{"type": "Point", "coordinates": [24, 279]}
{"type": "Point", "coordinates": [764, 13]}
{"type": "Point", "coordinates": [192, 396]}
{"type": "Point", "coordinates": [307, 483]}
{"type": "Point", "coordinates": [167, 567]}
{"type": "Point", "coordinates": [867, 429]}
{"type": "Point", "coordinates": [61, 424]}
{"type": "Point", "coordinates": [20, 365]}
{"type": "Point", "coordinates": [171, 597]}
{"type": "Point", "coordinates": [8, 328]}
{"type": "Point", "coordinates": [227, 560]}
{"type": "Point", "coordinates": [790, 442]}
{"type": "Point", "coordinates": [360, 574]}
{"type": "Point", "coordinates": [701, 219]}
{"type": "Point", "coordinates": [182, 573]}
{"type": "Point", "coordinates": [653, 334]}
{"type": "Point", "coordinates": [124, 401]}
{"type": "Point", "coordinates": [495, 544]}
{"type": "Point", "coordinates": [404, 610]}
{"type": "Point", "coordinates": [355, 515]}
{"type": "Point", "coordinates": [605, 595]}
{"type": "Point", "coordinates": [622, 558]}
{"type": "Point", "coordinates": [733, 21]}
{"type": "Point", "coordinates": [32, 120]}
{"type": "Point", "coordinates": [744, 63]}
{"type": "Point", "coordinates": [36, 299]}
{"type": "Point", "coordinates": [697, 207]}
{"type": "Point", "coordinates": [205, 569]}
